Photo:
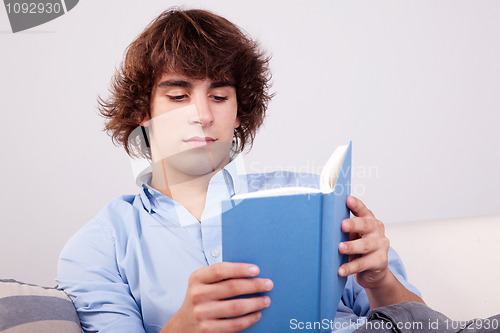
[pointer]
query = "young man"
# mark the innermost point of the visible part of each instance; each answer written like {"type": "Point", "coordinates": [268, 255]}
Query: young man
{"type": "Point", "coordinates": [192, 91]}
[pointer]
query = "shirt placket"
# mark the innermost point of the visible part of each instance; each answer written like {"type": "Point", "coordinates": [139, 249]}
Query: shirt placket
{"type": "Point", "coordinates": [220, 188]}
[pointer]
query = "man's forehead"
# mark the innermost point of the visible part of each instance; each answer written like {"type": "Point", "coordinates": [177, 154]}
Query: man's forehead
{"type": "Point", "coordinates": [180, 80]}
{"type": "Point", "coordinates": [180, 77]}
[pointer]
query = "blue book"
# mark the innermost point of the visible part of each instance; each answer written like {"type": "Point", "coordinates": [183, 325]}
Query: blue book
{"type": "Point", "coordinates": [292, 234]}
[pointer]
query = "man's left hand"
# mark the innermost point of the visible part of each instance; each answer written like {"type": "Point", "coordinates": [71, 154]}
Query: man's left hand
{"type": "Point", "coordinates": [367, 247]}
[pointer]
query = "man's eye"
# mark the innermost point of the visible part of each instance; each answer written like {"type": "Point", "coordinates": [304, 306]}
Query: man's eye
{"type": "Point", "coordinates": [177, 98]}
{"type": "Point", "coordinates": [219, 98]}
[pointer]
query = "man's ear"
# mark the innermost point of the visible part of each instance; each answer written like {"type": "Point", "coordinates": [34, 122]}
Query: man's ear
{"type": "Point", "coordinates": [146, 121]}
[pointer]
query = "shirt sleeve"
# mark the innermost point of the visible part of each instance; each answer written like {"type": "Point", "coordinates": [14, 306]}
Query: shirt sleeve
{"type": "Point", "coordinates": [88, 273]}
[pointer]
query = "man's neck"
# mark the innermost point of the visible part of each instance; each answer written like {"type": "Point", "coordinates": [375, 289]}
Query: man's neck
{"type": "Point", "coordinates": [188, 190]}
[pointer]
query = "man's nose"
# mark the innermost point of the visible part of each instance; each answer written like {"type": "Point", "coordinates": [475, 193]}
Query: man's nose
{"type": "Point", "coordinates": [205, 115]}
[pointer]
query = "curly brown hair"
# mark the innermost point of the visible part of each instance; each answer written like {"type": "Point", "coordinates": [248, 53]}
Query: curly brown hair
{"type": "Point", "coordinates": [195, 43]}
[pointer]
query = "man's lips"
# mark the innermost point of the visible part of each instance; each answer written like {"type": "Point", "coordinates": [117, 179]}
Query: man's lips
{"type": "Point", "coordinates": [199, 141]}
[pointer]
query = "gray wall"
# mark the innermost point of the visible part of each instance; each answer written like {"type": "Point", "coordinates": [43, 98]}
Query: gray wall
{"type": "Point", "coordinates": [414, 84]}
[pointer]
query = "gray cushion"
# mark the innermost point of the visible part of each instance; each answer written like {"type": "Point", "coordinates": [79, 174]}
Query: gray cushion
{"type": "Point", "coordinates": [29, 308]}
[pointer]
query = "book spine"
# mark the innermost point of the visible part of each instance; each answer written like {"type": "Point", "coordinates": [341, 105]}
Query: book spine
{"type": "Point", "coordinates": [328, 252]}
{"type": "Point", "coordinates": [334, 212]}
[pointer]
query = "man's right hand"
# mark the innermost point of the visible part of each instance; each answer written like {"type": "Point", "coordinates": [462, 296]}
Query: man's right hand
{"type": "Point", "coordinates": [206, 307]}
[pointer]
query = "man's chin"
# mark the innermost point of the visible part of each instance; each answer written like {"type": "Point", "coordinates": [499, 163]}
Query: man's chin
{"type": "Point", "coordinates": [198, 162]}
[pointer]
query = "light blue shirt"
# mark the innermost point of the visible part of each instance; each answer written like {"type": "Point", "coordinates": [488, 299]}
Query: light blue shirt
{"type": "Point", "coordinates": [127, 269]}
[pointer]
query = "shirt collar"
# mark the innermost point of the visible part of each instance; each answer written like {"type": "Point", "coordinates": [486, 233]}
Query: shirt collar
{"type": "Point", "coordinates": [233, 174]}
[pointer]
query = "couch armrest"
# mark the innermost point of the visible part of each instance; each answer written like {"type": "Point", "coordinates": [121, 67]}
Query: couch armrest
{"type": "Point", "coordinates": [453, 262]}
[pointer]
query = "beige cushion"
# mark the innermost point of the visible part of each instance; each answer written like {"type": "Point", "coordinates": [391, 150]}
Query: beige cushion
{"type": "Point", "coordinates": [454, 263]}
{"type": "Point", "coordinates": [27, 308]}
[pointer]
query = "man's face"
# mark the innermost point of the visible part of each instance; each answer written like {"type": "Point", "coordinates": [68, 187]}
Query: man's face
{"type": "Point", "coordinates": [192, 123]}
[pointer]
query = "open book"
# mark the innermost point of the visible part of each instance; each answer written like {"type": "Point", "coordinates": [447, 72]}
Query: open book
{"type": "Point", "coordinates": [292, 234]}
{"type": "Point", "coordinates": [327, 179]}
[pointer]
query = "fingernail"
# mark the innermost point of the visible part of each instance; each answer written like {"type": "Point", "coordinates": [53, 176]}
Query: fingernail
{"type": "Point", "coordinates": [346, 224]}
{"type": "Point", "coordinates": [267, 301]}
{"type": "Point", "coordinates": [342, 247]}
{"type": "Point", "coordinates": [268, 284]}
{"type": "Point", "coordinates": [254, 270]}
{"type": "Point", "coordinates": [258, 315]}
{"type": "Point", "coordinates": [341, 271]}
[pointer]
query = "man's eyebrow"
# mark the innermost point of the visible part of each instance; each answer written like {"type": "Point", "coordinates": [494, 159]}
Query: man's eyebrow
{"type": "Point", "coordinates": [220, 84]}
{"type": "Point", "coordinates": [175, 83]}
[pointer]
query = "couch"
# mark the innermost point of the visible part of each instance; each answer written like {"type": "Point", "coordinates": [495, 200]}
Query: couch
{"type": "Point", "coordinates": [26, 308]}
{"type": "Point", "coordinates": [453, 262]}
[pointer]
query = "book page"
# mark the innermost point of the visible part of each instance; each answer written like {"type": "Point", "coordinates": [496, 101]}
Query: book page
{"type": "Point", "coordinates": [331, 169]}
{"type": "Point", "coordinates": [276, 192]}
{"type": "Point", "coordinates": [327, 180]}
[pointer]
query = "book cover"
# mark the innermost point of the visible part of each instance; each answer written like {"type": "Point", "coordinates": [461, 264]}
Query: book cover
{"type": "Point", "coordinates": [294, 240]}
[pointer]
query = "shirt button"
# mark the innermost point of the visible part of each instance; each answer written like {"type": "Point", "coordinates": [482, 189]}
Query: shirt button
{"type": "Point", "coordinates": [151, 191]}
{"type": "Point", "coordinates": [214, 253]}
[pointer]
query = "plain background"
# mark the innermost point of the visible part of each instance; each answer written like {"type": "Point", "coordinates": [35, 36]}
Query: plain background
{"type": "Point", "coordinates": [414, 84]}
